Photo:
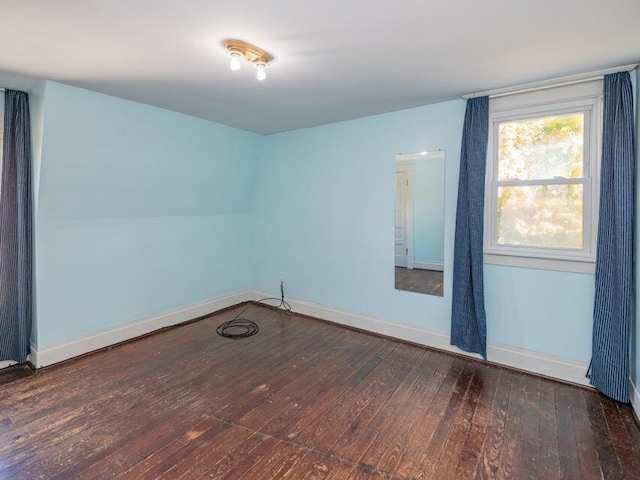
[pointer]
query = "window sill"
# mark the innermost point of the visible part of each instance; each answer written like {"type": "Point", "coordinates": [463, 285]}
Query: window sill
{"type": "Point", "coordinates": [541, 263]}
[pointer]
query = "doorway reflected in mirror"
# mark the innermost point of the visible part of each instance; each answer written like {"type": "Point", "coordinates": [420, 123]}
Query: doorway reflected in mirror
{"type": "Point", "coordinates": [419, 222]}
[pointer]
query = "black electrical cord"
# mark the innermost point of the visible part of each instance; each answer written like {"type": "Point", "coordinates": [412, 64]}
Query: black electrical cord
{"type": "Point", "coordinates": [239, 327]}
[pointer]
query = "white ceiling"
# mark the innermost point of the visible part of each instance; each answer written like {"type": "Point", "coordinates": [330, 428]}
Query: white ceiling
{"type": "Point", "coordinates": [333, 59]}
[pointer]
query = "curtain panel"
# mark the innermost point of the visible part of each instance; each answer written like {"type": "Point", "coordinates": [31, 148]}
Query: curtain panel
{"type": "Point", "coordinates": [612, 313]}
{"type": "Point", "coordinates": [468, 317]}
{"type": "Point", "coordinates": [15, 230]}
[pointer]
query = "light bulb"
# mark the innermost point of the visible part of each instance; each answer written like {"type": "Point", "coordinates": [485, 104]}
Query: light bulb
{"type": "Point", "coordinates": [235, 61]}
{"type": "Point", "coordinates": [261, 74]}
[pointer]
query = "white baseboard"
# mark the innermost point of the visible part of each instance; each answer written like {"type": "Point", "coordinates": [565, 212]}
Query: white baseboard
{"type": "Point", "coordinates": [543, 364]}
{"type": "Point", "coordinates": [539, 363]}
{"type": "Point", "coordinates": [50, 354]}
{"type": "Point", "coordinates": [635, 398]}
{"type": "Point", "coordinates": [439, 266]}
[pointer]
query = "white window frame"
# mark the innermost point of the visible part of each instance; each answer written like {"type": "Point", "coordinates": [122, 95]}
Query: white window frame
{"type": "Point", "coordinates": [581, 98]}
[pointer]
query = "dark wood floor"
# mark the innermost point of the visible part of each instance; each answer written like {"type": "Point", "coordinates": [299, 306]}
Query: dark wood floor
{"type": "Point", "coordinates": [13, 373]}
{"type": "Point", "coordinates": [303, 399]}
{"type": "Point", "coordinates": [419, 281]}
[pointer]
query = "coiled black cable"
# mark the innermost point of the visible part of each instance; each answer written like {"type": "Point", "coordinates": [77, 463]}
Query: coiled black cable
{"type": "Point", "coordinates": [238, 328]}
{"type": "Point", "coordinates": [243, 327]}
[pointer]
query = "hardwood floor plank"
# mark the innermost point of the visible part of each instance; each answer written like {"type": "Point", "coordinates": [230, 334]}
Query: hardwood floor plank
{"type": "Point", "coordinates": [322, 433]}
{"type": "Point", "coordinates": [530, 456]}
{"type": "Point", "coordinates": [319, 399]}
{"type": "Point", "coordinates": [339, 471]}
{"type": "Point", "coordinates": [252, 382]}
{"type": "Point", "coordinates": [312, 465]}
{"type": "Point", "coordinates": [266, 384]}
{"type": "Point", "coordinates": [232, 465]}
{"type": "Point", "coordinates": [447, 405]}
{"type": "Point", "coordinates": [627, 457]}
{"type": "Point", "coordinates": [352, 444]}
{"type": "Point", "coordinates": [470, 455]}
{"type": "Point", "coordinates": [328, 469]}
{"type": "Point", "coordinates": [316, 407]}
{"type": "Point", "coordinates": [587, 453]}
{"type": "Point", "coordinates": [403, 412]}
{"type": "Point", "coordinates": [268, 449]}
{"type": "Point", "coordinates": [166, 460]}
{"type": "Point", "coordinates": [567, 448]}
{"type": "Point", "coordinates": [461, 428]}
{"type": "Point", "coordinates": [193, 464]}
{"type": "Point", "coordinates": [489, 462]}
{"type": "Point", "coordinates": [409, 386]}
{"type": "Point", "coordinates": [511, 454]}
{"type": "Point", "coordinates": [275, 465]}
{"type": "Point", "coordinates": [627, 416]}
{"type": "Point", "coordinates": [71, 374]}
{"type": "Point", "coordinates": [306, 464]}
{"type": "Point", "coordinates": [113, 378]}
{"type": "Point", "coordinates": [68, 432]}
{"type": "Point", "coordinates": [295, 397]}
{"type": "Point", "coordinates": [361, 473]}
{"type": "Point", "coordinates": [442, 381]}
{"type": "Point", "coordinates": [549, 464]}
{"type": "Point", "coordinates": [102, 418]}
{"type": "Point", "coordinates": [605, 446]}
{"type": "Point", "coordinates": [135, 449]}
{"type": "Point", "coordinates": [303, 399]}
{"type": "Point", "coordinates": [324, 406]}
{"type": "Point", "coordinates": [78, 436]}
{"type": "Point", "coordinates": [13, 373]}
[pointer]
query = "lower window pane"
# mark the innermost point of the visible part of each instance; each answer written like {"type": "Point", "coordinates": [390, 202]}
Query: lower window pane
{"type": "Point", "coordinates": [541, 216]}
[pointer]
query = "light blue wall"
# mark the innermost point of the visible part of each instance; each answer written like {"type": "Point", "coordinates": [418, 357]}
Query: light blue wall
{"type": "Point", "coordinates": [545, 311]}
{"type": "Point", "coordinates": [323, 220]}
{"type": "Point", "coordinates": [323, 211]}
{"type": "Point", "coordinates": [36, 113]}
{"type": "Point", "coordinates": [428, 211]}
{"type": "Point", "coordinates": [140, 211]}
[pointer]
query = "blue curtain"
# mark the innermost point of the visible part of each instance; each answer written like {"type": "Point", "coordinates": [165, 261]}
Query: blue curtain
{"type": "Point", "coordinates": [468, 317]}
{"type": "Point", "coordinates": [609, 369]}
{"type": "Point", "coordinates": [15, 230]}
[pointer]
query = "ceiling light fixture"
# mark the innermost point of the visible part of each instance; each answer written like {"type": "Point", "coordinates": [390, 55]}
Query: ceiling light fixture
{"type": "Point", "coordinates": [236, 56]}
{"type": "Point", "coordinates": [261, 74]}
{"type": "Point", "coordinates": [238, 49]}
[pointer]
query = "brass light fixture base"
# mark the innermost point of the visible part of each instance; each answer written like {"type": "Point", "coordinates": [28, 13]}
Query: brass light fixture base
{"type": "Point", "coordinates": [249, 52]}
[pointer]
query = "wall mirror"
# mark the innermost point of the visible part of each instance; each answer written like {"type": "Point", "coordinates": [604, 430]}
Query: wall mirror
{"type": "Point", "coordinates": [419, 222]}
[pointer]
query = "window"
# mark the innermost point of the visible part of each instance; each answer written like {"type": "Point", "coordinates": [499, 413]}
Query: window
{"type": "Point", "coordinates": [541, 201]}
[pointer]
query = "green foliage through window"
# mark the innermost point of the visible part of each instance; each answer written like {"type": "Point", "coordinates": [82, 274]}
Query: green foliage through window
{"type": "Point", "coordinates": [544, 153]}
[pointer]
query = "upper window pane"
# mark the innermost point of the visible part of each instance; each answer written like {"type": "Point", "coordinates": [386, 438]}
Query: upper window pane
{"type": "Point", "coordinates": [541, 148]}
